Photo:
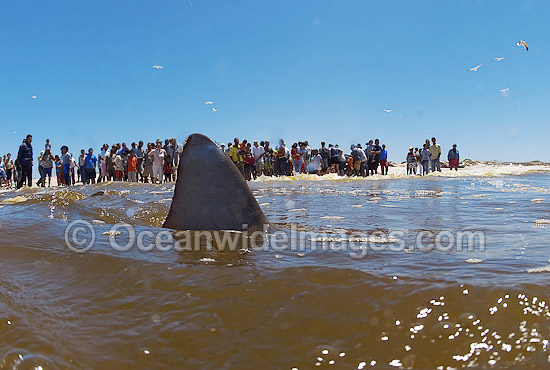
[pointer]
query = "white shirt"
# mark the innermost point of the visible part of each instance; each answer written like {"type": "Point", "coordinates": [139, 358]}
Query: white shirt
{"type": "Point", "coordinates": [258, 151]}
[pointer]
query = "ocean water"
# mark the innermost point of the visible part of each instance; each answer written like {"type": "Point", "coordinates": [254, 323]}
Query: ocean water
{"type": "Point", "coordinates": [402, 305]}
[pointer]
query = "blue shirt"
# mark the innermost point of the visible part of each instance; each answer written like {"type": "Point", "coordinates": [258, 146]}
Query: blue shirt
{"type": "Point", "coordinates": [383, 154]}
{"type": "Point", "coordinates": [90, 160]}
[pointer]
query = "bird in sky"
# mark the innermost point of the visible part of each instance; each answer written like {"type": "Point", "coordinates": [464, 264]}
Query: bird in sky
{"type": "Point", "coordinates": [208, 102]}
{"type": "Point", "coordinates": [474, 69]}
{"type": "Point", "coordinates": [523, 43]}
{"type": "Point", "coordinates": [214, 109]}
{"type": "Point", "coordinates": [387, 110]}
{"type": "Point", "coordinates": [33, 97]}
{"type": "Point", "coordinates": [504, 90]}
{"type": "Point", "coordinates": [498, 59]}
{"type": "Point", "coordinates": [158, 67]}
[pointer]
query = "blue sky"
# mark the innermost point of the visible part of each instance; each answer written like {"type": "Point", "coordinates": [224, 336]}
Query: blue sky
{"type": "Point", "coordinates": [315, 70]}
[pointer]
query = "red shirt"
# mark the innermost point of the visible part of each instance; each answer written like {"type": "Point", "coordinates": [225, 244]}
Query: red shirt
{"type": "Point", "coordinates": [132, 164]}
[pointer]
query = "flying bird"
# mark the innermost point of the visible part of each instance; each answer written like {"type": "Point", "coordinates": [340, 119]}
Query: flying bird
{"type": "Point", "coordinates": [208, 102]}
{"type": "Point", "coordinates": [523, 43]}
{"type": "Point", "coordinates": [158, 67]}
{"type": "Point", "coordinates": [33, 97]}
{"type": "Point", "coordinates": [504, 90]}
{"type": "Point", "coordinates": [498, 59]}
{"type": "Point", "coordinates": [214, 109]}
{"type": "Point", "coordinates": [387, 110]}
{"type": "Point", "coordinates": [474, 69]}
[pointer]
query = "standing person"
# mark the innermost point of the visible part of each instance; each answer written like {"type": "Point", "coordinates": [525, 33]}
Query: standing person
{"type": "Point", "coordinates": [24, 157]}
{"type": "Point", "coordinates": [47, 166]}
{"type": "Point", "coordinates": [375, 160]}
{"type": "Point", "coordinates": [178, 149]}
{"type": "Point", "coordinates": [249, 164]}
{"type": "Point", "coordinates": [102, 157]}
{"type": "Point", "coordinates": [384, 160]}
{"type": "Point", "coordinates": [315, 165]}
{"type": "Point", "coordinates": [426, 159]}
{"type": "Point", "coordinates": [82, 166]}
{"type": "Point", "coordinates": [411, 162]}
{"type": "Point", "coordinates": [66, 165]}
{"type": "Point", "coordinates": [118, 166]}
{"type": "Point", "coordinates": [158, 155]}
{"type": "Point", "coordinates": [139, 155]}
{"type": "Point", "coordinates": [334, 162]}
{"type": "Point", "coordinates": [435, 154]}
{"type": "Point", "coordinates": [454, 158]}
{"type": "Point", "coordinates": [90, 165]}
{"type": "Point", "coordinates": [167, 169]}
{"type": "Point", "coordinates": [58, 170]}
{"type": "Point", "coordinates": [325, 156]}
{"type": "Point", "coordinates": [235, 154]}
{"type": "Point", "coordinates": [73, 165]}
{"type": "Point", "coordinates": [148, 160]}
{"type": "Point", "coordinates": [418, 154]}
{"type": "Point", "coordinates": [296, 157]}
{"type": "Point", "coordinates": [259, 152]}
{"type": "Point", "coordinates": [356, 160]}
{"type": "Point", "coordinates": [40, 169]}
{"type": "Point", "coordinates": [132, 163]}
{"type": "Point", "coordinates": [9, 169]}
{"type": "Point", "coordinates": [2, 172]}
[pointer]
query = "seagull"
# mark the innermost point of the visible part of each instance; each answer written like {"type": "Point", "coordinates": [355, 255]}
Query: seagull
{"type": "Point", "coordinates": [158, 67]}
{"type": "Point", "coordinates": [214, 109]}
{"type": "Point", "coordinates": [474, 69]}
{"type": "Point", "coordinates": [14, 132]}
{"type": "Point", "coordinates": [504, 90]}
{"type": "Point", "coordinates": [33, 97]}
{"type": "Point", "coordinates": [498, 59]}
{"type": "Point", "coordinates": [387, 110]}
{"type": "Point", "coordinates": [523, 43]}
{"type": "Point", "coordinates": [208, 102]}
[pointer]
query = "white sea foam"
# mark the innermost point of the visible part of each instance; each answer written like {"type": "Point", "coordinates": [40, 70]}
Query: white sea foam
{"type": "Point", "coordinates": [399, 171]}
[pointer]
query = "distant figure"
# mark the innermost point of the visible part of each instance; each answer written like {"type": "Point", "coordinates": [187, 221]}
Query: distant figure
{"type": "Point", "coordinates": [325, 157]}
{"type": "Point", "coordinates": [66, 165]}
{"type": "Point", "coordinates": [411, 162]}
{"type": "Point", "coordinates": [384, 160]}
{"type": "Point", "coordinates": [24, 159]}
{"type": "Point", "coordinates": [90, 164]}
{"type": "Point", "coordinates": [132, 163]}
{"type": "Point", "coordinates": [426, 159]}
{"type": "Point", "coordinates": [259, 152]}
{"type": "Point", "coordinates": [47, 166]}
{"type": "Point", "coordinates": [454, 158]}
{"type": "Point", "coordinates": [435, 154]}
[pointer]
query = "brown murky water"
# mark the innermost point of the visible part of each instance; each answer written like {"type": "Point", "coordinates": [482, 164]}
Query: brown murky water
{"type": "Point", "coordinates": [419, 309]}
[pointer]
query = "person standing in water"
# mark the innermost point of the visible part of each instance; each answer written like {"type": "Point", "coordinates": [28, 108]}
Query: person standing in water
{"type": "Point", "coordinates": [435, 154]}
{"type": "Point", "coordinates": [24, 159]}
{"type": "Point", "coordinates": [384, 160]}
{"type": "Point", "coordinates": [454, 158]}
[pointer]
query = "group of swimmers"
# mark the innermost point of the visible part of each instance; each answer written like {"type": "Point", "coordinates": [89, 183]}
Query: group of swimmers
{"type": "Point", "coordinates": [260, 159]}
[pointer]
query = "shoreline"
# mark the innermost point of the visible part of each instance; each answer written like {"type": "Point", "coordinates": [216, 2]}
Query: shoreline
{"type": "Point", "coordinates": [396, 171]}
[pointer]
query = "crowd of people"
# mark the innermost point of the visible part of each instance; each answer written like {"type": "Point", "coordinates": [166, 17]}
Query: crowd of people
{"type": "Point", "coordinates": [158, 161]}
{"type": "Point", "coordinates": [261, 159]}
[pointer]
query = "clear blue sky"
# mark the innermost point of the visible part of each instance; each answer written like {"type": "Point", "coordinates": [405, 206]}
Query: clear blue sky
{"type": "Point", "coordinates": [316, 70]}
